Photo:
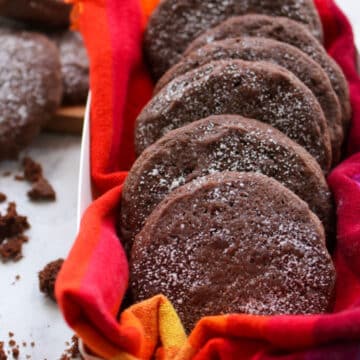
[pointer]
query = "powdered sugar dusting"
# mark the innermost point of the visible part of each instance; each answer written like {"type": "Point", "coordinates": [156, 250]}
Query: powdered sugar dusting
{"type": "Point", "coordinates": [257, 90]}
{"type": "Point", "coordinates": [276, 52]}
{"type": "Point", "coordinates": [284, 30]}
{"type": "Point", "coordinates": [23, 89]}
{"type": "Point", "coordinates": [168, 35]}
{"type": "Point", "coordinates": [74, 65]}
{"type": "Point", "coordinates": [213, 145]}
{"type": "Point", "coordinates": [232, 255]}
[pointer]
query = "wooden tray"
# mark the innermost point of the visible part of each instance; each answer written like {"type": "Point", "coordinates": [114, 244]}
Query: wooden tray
{"type": "Point", "coordinates": [68, 120]}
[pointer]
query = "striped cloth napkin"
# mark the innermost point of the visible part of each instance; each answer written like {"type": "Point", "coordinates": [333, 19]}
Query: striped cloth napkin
{"type": "Point", "coordinates": [93, 280]}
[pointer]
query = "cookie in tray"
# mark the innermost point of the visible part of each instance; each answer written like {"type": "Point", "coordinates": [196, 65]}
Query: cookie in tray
{"type": "Point", "coordinates": [215, 144]}
{"type": "Point", "coordinates": [174, 24]}
{"type": "Point", "coordinates": [280, 53]}
{"type": "Point", "coordinates": [233, 243]}
{"type": "Point", "coordinates": [258, 90]}
{"type": "Point", "coordinates": [288, 31]}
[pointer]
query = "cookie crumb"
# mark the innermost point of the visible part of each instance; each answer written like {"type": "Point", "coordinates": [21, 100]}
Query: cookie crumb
{"type": "Point", "coordinates": [17, 278]}
{"type": "Point", "coordinates": [3, 197]}
{"type": "Point", "coordinates": [32, 344]}
{"type": "Point", "coordinates": [12, 343]}
{"type": "Point", "coordinates": [42, 191]}
{"type": "Point", "coordinates": [11, 334]}
{"type": "Point", "coordinates": [6, 173]}
{"type": "Point", "coordinates": [19, 177]}
{"type": "Point", "coordinates": [15, 353]}
{"type": "Point", "coordinates": [12, 224]}
{"type": "Point", "coordinates": [47, 278]}
{"type": "Point", "coordinates": [32, 170]}
{"type": "Point", "coordinates": [2, 351]}
{"type": "Point", "coordinates": [11, 249]}
{"type": "Point", "coordinates": [73, 351]}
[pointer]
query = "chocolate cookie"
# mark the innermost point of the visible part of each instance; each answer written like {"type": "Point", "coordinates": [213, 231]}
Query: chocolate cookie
{"type": "Point", "coordinates": [257, 90]}
{"type": "Point", "coordinates": [290, 32]}
{"type": "Point", "coordinates": [74, 66]}
{"type": "Point", "coordinates": [48, 13]}
{"type": "Point", "coordinates": [291, 58]}
{"type": "Point", "coordinates": [175, 23]}
{"type": "Point", "coordinates": [30, 88]}
{"type": "Point", "coordinates": [215, 144]}
{"type": "Point", "coordinates": [233, 243]}
{"type": "Point", "coordinates": [8, 25]}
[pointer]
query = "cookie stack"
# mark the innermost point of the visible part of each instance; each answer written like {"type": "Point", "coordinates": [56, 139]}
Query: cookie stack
{"type": "Point", "coordinates": [227, 208]}
{"type": "Point", "coordinates": [42, 65]}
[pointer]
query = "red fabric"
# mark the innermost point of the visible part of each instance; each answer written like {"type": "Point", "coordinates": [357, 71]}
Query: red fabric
{"type": "Point", "coordinates": [93, 280]}
{"type": "Point", "coordinates": [339, 42]}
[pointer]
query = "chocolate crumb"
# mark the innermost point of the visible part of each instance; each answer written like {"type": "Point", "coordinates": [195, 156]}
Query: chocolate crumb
{"type": "Point", "coordinates": [32, 170]}
{"type": "Point", "coordinates": [17, 278]}
{"type": "Point", "coordinates": [2, 351]}
{"type": "Point", "coordinates": [6, 173]}
{"type": "Point", "coordinates": [11, 249]}
{"type": "Point", "coordinates": [19, 177]}
{"type": "Point", "coordinates": [11, 334]}
{"type": "Point", "coordinates": [73, 351]}
{"type": "Point", "coordinates": [47, 278]}
{"type": "Point", "coordinates": [12, 224]}
{"type": "Point", "coordinates": [12, 343]}
{"type": "Point", "coordinates": [3, 197]}
{"type": "Point", "coordinates": [15, 353]}
{"type": "Point", "coordinates": [33, 173]}
{"type": "Point", "coordinates": [41, 191]}
{"type": "Point", "coordinates": [32, 344]}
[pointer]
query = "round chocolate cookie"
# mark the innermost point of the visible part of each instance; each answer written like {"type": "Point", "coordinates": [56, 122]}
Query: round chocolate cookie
{"type": "Point", "coordinates": [47, 13]}
{"type": "Point", "coordinates": [8, 25]}
{"type": "Point", "coordinates": [288, 31]}
{"type": "Point", "coordinates": [74, 66]}
{"type": "Point", "coordinates": [175, 23]}
{"type": "Point", "coordinates": [215, 144]}
{"type": "Point", "coordinates": [265, 49]}
{"type": "Point", "coordinates": [257, 90]}
{"type": "Point", "coordinates": [233, 243]}
{"type": "Point", "coordinates": [30, 88]}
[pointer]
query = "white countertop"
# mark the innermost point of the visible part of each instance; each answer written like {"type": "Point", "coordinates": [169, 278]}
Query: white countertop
{"type": "Point", "coordinates": [23, 309]}
{"type": "Point", "coordinates": [352, 10]}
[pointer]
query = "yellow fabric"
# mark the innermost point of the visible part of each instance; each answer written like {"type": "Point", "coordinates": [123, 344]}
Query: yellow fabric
{"type": "Point", "coordinates": [161, 326]}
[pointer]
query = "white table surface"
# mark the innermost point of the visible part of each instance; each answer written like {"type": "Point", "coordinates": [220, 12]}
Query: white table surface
{"type": "Point", "coordinates": [23, 309]}
{"type": "Point", "coordinates": [352, 10]}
